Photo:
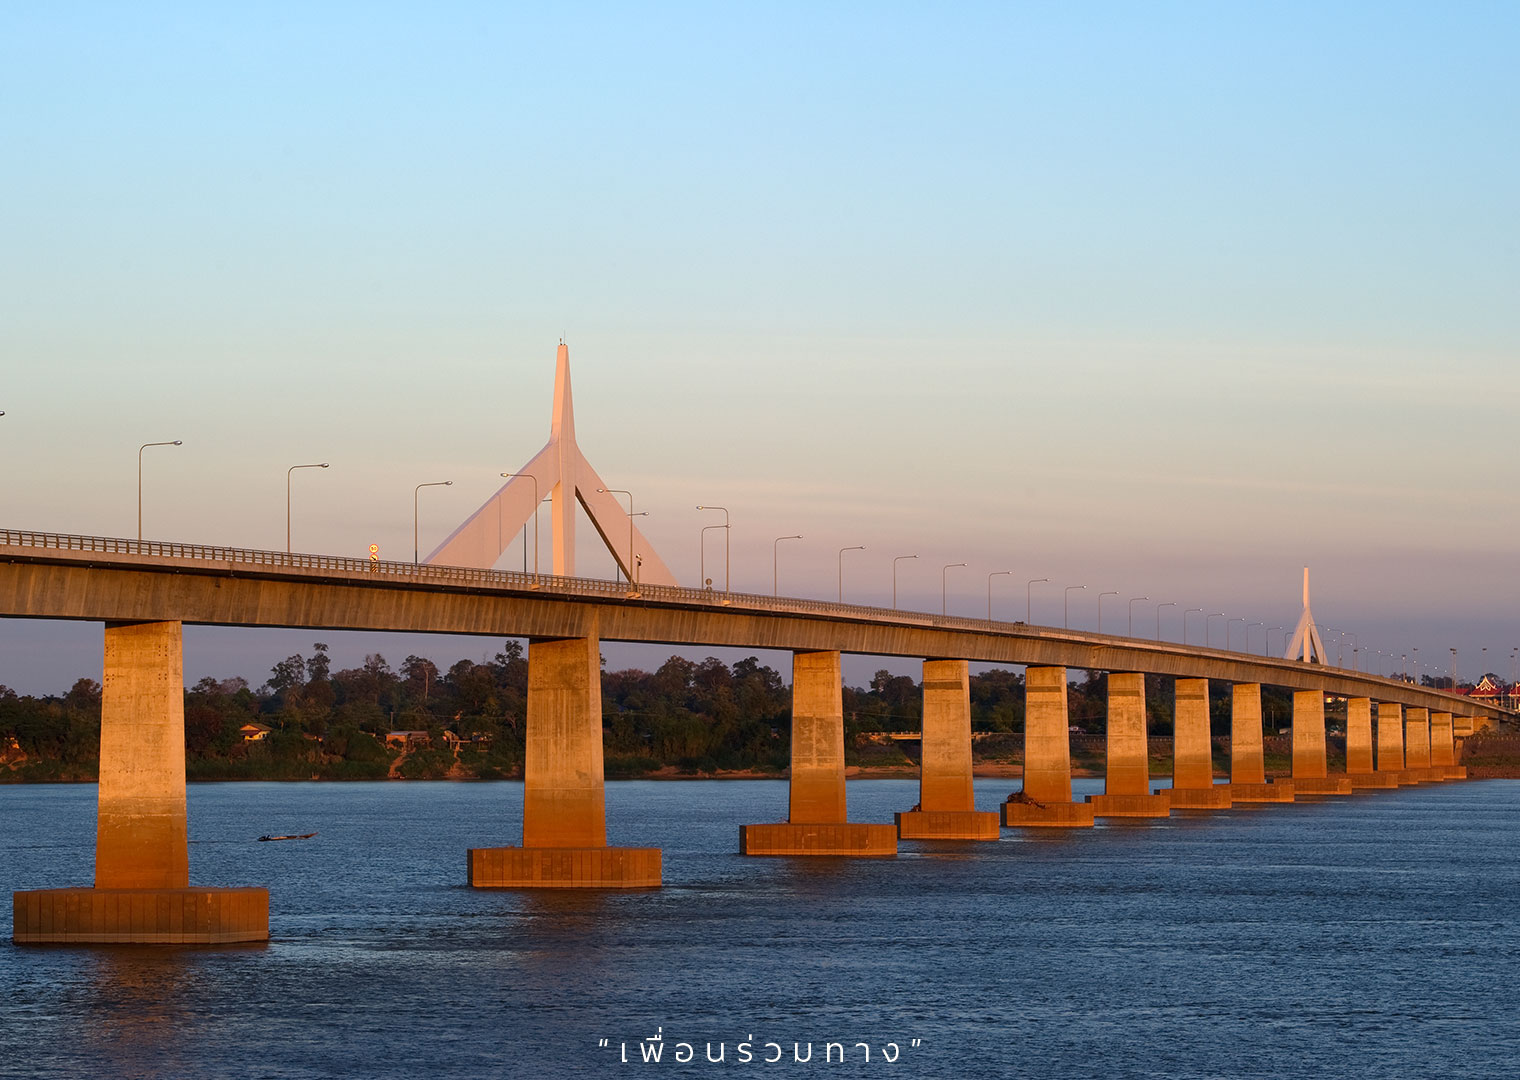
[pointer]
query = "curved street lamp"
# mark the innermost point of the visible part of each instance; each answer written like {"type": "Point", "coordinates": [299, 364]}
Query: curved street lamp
{"type": "Point", "coordinates": [895, 560]}
{"type": "Point", "coordinates": [631, 516]}
{"type": "Point", "coordinates": [944, 587]}
{"type": "Point", "coordinates": [1158, 617]}
{"type": "Point", "coordinates": [1029, 598]}
{"type": "Point", "coordinates": [536, 505]}
{"type": "Point", "coordinates": [1066, 606]}
{"type": "Point", "coordinates": [853, 547]}
{"type": "Point", "coordinates": [776, 561]}
{"type": "Point", "coordinates": [1185, 614]}
{"type": "Point", "coordinates": [1227, 623]}
{"type": "Point", "coordinates": [724, 526]}
{"type": "Point", "coordinates": [1132, 603]}
{"type": "Point", "coordinates": [1101, 595]}
{"type": "Point", "coordinates": [995, 573]}
{"type": "Point", "coordinates": [140, 449]}
{"type": "Point", "coordinates": [288, 471]}
{"type": "Point", "coordinates": [1215, 615]}
{"type": "Point", "coordinates": [415, 492]}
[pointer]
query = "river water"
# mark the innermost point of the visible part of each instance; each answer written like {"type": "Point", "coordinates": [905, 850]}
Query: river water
{"type": "Point", "coordinates": [1372, 936]}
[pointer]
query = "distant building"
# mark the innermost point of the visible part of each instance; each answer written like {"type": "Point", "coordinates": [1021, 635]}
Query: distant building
{"type": "Point", "coordinates": [1495, 693]}
{"type": "Point", "coordinates": [408, 740]}
{"type": "Point", "coordinates": [254, 731]}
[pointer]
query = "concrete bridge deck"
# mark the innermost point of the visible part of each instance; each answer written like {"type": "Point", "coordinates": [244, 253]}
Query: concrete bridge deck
{"type": "Point", "coordinates": [58, 576]}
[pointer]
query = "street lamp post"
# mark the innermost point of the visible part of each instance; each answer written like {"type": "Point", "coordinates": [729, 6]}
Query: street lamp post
{"type": "Point", "coordinates": [702, 549]}
{"type": "Point", "coordinates": [726, 588]}
{"type": "Point", "coordinates": [1101, 595]}
{"type": "Point", "coordinates": [1029, 599]}
{"type": "Point", "coordinates": [853, 547]}
{"type": "Point", "coordinates": [293, 468]}
{"type": "Point", "coordinates": [1158, 617]}
{"type": "Point", "coordinates": [1185, 614]}
{"type": "Point", "coordinates": [631, 516]}
{"type": "Point", "coordinates": [1453, 671]}
{"type": "Point", "coordinates": [140, 449]}
{"type": "Point", "coordinates": [1132, 603]}
{"type": "Point", "coordinates": [1215, 615]}
{"type": "Point", "coordinates": [1066, 606]}
{"type": "Point", "coordinates": [637, 560]}
{"type": "Point", "coordinates": [536, 504]}
{"type": "Point", "coordinates": [1248, 636]}
{"type": "Point", "coordinates": [1280, 629]}
{"type": "Point", "coordinates": [1227, 625]}
{"type": "Point", "coordinates": [416, 491]}
{"type": "Point", "coordinates": [895, 560]}
{"type": "Point", "coordinates": [995, 573]}
{"type": "Point", "coordinates": [776, 562]}
{"type": "Point", "coordinates": [944, 588]}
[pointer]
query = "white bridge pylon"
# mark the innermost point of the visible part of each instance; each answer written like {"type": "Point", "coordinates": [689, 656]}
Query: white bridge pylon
{"type": "Point", "coordinates": [1306, 635]}
{"type": "Point", "coordinates": [565, 477]}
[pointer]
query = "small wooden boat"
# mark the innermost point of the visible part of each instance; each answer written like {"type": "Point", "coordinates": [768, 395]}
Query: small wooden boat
{"type": "Point", "coordinates": [303, 836]}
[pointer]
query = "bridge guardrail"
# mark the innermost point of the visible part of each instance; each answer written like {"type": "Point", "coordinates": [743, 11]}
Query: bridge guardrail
{"type": "Point", "coordinates": [520, 581]}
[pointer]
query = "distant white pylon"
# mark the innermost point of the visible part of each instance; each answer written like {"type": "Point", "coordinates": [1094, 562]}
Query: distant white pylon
{"type": "Point", "coordinates": [562, 473]}
{"type": "Point", "coordinates": [1306, 635]}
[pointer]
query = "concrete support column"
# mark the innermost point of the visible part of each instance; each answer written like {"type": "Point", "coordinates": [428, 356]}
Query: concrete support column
{"type": "Point", "coordinates": [946, 804]}
{"type": "Point", "coordinates": [142, 891]}
{"type": "Point", "coordinates": [564, 800]}
{"type": "Point", "coordinates": [1443, 747]}
{"type": "Point", "coordinates": [1127, 778]}
{"type": "Point", "coordinates": [564, 803]}
{"type": "Point", "coordinates": [1359, 762]}
{"type": "Point", "coordinates": [817, 787]}
{"type": "Point", "coordinates": [1193, 786]}
{"type": "Point", "coordinates": [1390, 738]}
{"type": "Point", "coordinates": [1046, 795]}
{"type": "Point", "coordinates": [141, 837]}
{"type": "Point", "coordinates": [816, 822]}
{"type": "Point", "coordinates": [1311, 773]}
{"type": "Point", "coordinates": [1248, 765]}
{"type": "Point", "coordinates": [1358, 735]}
{"type": "Point", "coordinates": [1417, 744]}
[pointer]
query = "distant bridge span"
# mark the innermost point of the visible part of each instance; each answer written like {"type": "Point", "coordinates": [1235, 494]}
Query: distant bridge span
{"type": "Point", "coordinates": [54, 576]}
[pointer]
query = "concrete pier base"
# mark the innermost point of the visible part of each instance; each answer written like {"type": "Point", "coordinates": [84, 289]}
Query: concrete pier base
{"type": "Point", "coordinates": [1411, 777]}
{"type": "Point", "coordinates": [947, 825]}
{"type": "Point", "coordinates": [564, 868]}
{"type": "Point", "coordinates": [848, 838]}
{"type": "Point", "coordinates": [816, 822]}
{"type": "Point", "coordinates": [1278, 791]}
{"type": "Point", "coordinates": [1454, 772]}
{"type": "Point", "coordinates": [1217, 797]}
{"type": "Point", "coordinates": [1373, 781]}
{"type": "Point", "coordinates": [142, 893]}
{"type": "Point", "coordinates": [1066, 815]}
{"type": "Point", "coordinates": [189, 916]}
{"type": "Point", "coordinates": [1322, 785]}
{"type": "Point", "coordinates": [1158, 805]}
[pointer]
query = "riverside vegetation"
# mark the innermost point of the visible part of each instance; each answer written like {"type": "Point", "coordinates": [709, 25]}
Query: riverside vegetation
{"type": "Point", "coordinates": [467, 722]}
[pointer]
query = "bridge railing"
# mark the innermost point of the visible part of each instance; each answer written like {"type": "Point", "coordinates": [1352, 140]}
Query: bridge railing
{"type": "Point", "coordinates": [518, 581]}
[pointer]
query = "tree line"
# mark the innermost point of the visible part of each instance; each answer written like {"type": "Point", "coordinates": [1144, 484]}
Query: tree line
{"type": "Point", "coordinates": [695, 716]}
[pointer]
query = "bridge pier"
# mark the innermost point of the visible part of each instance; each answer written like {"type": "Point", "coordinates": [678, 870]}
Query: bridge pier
{"type": "Point", "coordinates": [1390, 742]}
{"type": "Point", "coordinates": [1248, 765]}
{"type": "Point", "coordinates": [1046, 797]}
{"type": "Point", "coordinates": [564, 796]}
{"type": "Point", "coordinates": [142, 893]}
{"type": "Point", "coordinates": [1127, 775]}
{"type": "Point", "coordinates": [1193, 786]}
{"type": "Point", "coordinates": [1311, 772]}
{"type": "Point", "coordinates": [1443, 747]}
{"type": "Point", "coordinates": [816, 823]}
{"type": "Point", "coordinates": [946, 802]}
{"type": "Point", "coordinates": [1417, 747]}
{"type": "Point", "coordinates": [1359, 762]}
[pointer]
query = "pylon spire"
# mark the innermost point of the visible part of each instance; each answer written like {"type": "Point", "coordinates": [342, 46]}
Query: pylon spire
{"type": "Point", "coordinates": [1306, 635]}
{"type": "Point", "coordinates": [560, 473]}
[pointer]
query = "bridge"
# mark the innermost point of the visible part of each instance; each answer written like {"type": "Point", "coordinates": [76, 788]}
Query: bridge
{"type": "Point", "coordinates": [146, 592]}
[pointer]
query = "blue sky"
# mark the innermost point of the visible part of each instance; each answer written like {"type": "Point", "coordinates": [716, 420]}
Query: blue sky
{"type": "Point", "coordinates": [1168, 299]}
